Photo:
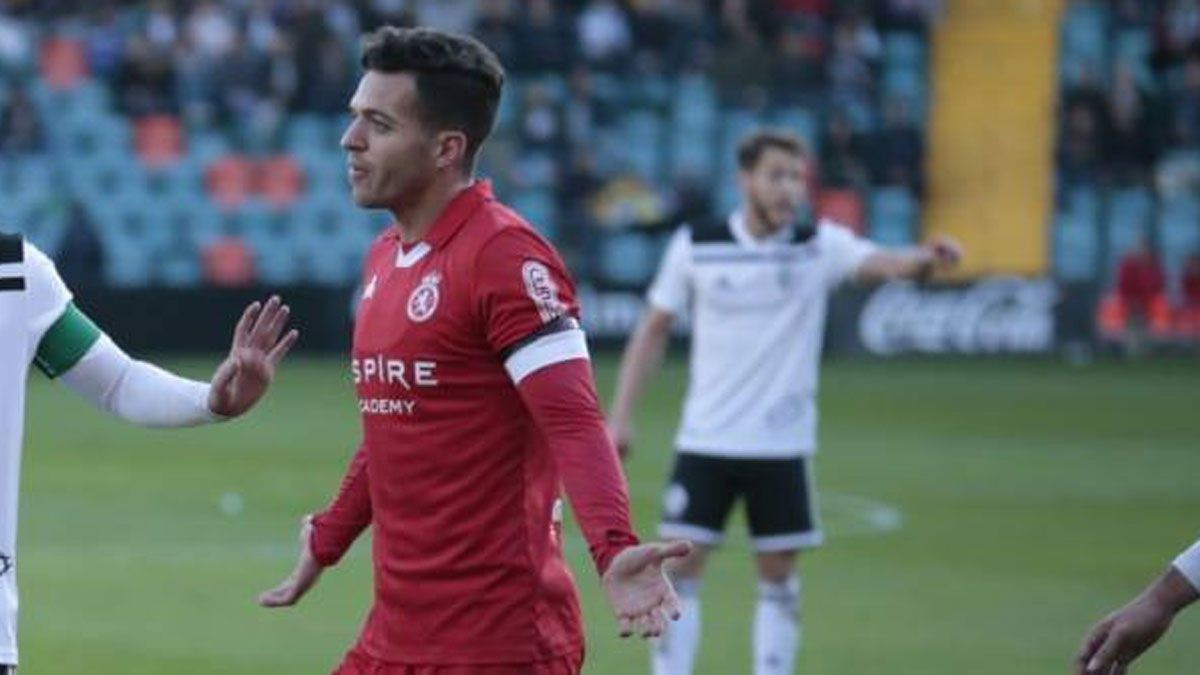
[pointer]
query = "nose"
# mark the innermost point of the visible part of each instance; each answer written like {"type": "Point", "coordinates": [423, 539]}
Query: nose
{"type": "Point", "coordinates": [352, 138]}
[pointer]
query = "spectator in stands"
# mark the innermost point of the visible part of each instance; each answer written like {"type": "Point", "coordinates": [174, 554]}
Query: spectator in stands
{"type": "Point", "coordinates": [851, 77]}
{"type": "Point", "coordinates": [16, 47]}
{"type": "Point", "coordinates": [583, 111]}
{"type": "Point", "coordinates": [454, 16]}
{"type": "Point", "coordinates": [653, 30]}
{"type": "Point", "coordinates": [743, 62]}
{"type": "Point", "coordinates": [1140, 286]}
{"type": "Point", "coordinates": [497, 28]}
{"type": "Point", "coordinates": [1131, 147]}
{"type": "Point", "coordinates": [160, 25]}
{"type": "Point", "coordinates": [1185, 121]}
{"type": "Point", "coordinates": [799, 67]}
{"type": "Point", "coordinates": [391, 12]}
{"type": "Point", "coordinates": [843, 155]}
{"type": "Point", "coordinates": [1178, 29]}
{"type": "Point", "coordinates": [605, 38]}
{"type": "Point", "coordinates": [1189, 311]}
{"type": "Point", "coordinates": [1080, 152]}
{"type": "Point", "coordinates": [105, 40]}
{"type": "Point", "coordinates": [80, 255]}
{"type": "Point", "coordinates": [145, 80]}
{"type": "Point", "coordinates": [20, 127]}
{"type": "Point", "coordinates": [331, 82]}
{"type": "Point", "coordinates": [914, 16]}
{"type": "Point", "coordinates": [899, 148]}
{"type": "Point", "coordinates": [541, 120]}
{"type": "Point", "coordinates": [545, 39]}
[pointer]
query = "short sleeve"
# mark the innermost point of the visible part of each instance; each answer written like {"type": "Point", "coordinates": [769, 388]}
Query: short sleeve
{"type": "Point", "coordinates": [527, 303]}
{"type": "Point", "coordinates": [843, 251]}
{"type": "Point", "coordinates": [48, 296]}
{"type": "Point", "coordinates": [671, 290]}
{"type": "Point", "coordinates": [1188, 564]}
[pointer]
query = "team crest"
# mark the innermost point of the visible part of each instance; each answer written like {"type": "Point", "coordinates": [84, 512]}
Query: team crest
{"type": "Point", "coordinates": [542, 290]}
{"type": "Point", "coordinates": [424, 299]}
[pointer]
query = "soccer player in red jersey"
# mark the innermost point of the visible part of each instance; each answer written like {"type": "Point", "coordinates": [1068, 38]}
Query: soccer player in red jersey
{"type": "Point", "coordinates": [477, 401]}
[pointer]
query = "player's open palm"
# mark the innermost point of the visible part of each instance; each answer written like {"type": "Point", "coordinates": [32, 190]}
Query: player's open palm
{"type": "Point", "coordinates": [638, 589]}
{"type": "Point", "coordinates": [245, 375]}
{"type": "Point", "coordinates": [1122, 637]}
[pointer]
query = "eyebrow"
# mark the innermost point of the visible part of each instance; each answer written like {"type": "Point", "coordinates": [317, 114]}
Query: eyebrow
{"type": "Point", "coordinates": [374, 115]}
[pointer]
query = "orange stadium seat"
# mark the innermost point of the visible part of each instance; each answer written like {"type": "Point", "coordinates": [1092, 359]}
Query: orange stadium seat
{"type": "Point", "coordinates": [158, 140]}
{"type": "Point", "coordinates": [280, 180]}
{"type": "Point", "coordinates": [842, 206]}
{"type": "Point", "coordinates": [230, 181]}
{"type": "Point", "coordinates": [229, 262]}
{"type": "Point", "coordinates": [63, 63]}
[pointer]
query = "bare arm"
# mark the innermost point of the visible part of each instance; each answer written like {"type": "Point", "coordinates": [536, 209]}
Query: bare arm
{"type": "Point", "coordinates": [938, 255]}
{"type": "Point", "coordinates": [1122, 636]}
{"type": "Point", "coordinates": [642, 357]}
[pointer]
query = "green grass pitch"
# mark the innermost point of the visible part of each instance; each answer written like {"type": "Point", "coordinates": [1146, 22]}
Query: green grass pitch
{"type": "Point", "coordinates": [1033, 496]}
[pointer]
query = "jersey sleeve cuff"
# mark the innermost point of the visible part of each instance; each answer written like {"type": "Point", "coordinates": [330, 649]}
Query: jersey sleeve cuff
{"type": "Point", "coordinates": [1188, 564]}
{"type": "Point", "coordinates": [546, 350]}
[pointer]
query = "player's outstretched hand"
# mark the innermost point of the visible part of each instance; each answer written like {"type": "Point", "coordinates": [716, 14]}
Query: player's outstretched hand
{"type": "Point", "coordinates": [1122, 636]}
{"type": "Point", "coordinates": [638, 589]}
{"type": "Point", "coordinates": [945, 252]}
{"type": "Point", "coordinates": [622, 439]}
{"type": "Point", "coordinates": [245, 375]}
{"type": "Point", "coordinates": [303, 577]}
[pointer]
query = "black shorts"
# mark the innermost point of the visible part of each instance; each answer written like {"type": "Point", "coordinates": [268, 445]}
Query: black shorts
{"type": "Point", "coordinates": [780, 501]}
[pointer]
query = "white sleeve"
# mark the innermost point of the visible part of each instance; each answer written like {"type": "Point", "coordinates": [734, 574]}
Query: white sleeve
{"type": "Point", "coordinates": [843, 251]}
{"type": "Point", "coordinates": [47, 295]}
{"type": "Point", "coordinates": [671, 290]}
{"type": "Point", "coordinates": [138, 392]}
{"type": "Point", "coordinates": [1188, 564]}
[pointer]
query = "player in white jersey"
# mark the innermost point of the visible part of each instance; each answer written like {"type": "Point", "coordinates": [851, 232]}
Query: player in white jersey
{"type": "Point", "coordinates": [756, 287]}
{"type": "Point", "coordinates": [40, 325]}
{"type": "Point", "coordinates": [1122, 636]}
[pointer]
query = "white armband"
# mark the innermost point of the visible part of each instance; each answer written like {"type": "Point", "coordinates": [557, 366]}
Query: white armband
{"type": "Point", "coordinates": [1188, 564]}
{"type": "Point", "coordinates": [136, 391]}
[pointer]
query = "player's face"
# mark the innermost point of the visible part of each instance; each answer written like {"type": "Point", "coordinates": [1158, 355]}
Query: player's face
{"type": "Point", "coordinates": [776, 187]}
{"type": "Point", "coordinates": [390, 154]}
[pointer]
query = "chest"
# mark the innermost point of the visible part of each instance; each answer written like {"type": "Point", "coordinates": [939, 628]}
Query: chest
{"type": "Point", "coordinates": [13, 327]}
{"type": "Point", "coordinates": [770, 279]}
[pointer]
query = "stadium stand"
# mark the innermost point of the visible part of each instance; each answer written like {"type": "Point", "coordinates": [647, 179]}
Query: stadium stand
{"type": "Point", "coordinates": [201, 138]}
{"type": "Point", "coordinates": [1129, 153]}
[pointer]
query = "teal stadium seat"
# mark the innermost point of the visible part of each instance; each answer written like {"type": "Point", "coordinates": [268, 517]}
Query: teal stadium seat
{"type": "Point", "coordinates": [893, 214]}
{"type": "Point", "coordinates": [1076, 248]}
{"type": "Point", "coordinates": [1178, 234]}
{"type": "Point", "coordinates": [1128, 219]}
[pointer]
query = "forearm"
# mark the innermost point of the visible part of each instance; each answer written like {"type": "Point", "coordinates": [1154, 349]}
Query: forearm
{"type": "Point", "coordinates": [337, 527]}
{"type": "Point", "coordinates": [136, 391]}
{"type": "Point", "coordinates": [908, 263]}
{"type": "Point", "coordinates": [642, 357]}
{"type": "Point", "coordinates": [1186, 585]}
{"type": "Point", "coordinates": [563, 402]}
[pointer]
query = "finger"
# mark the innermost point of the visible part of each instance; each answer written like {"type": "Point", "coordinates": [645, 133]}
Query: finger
{"type": "Point", "coordinates": [1106, 657]}
{"type": "Point", "coordinates": [1091, 642]}
{"type": "Point", "coordinates": [242, 331]}
{"type": "Point", "coordinates": [656, 624]}
{"type": "Point", "coordinates": [265, 316]}
{"type": "Point", "coordinates": [625, 626]}
{"type": "Point", "coordinates": [673, 549]}
{"type": "Point", "coordinates": [670, 606]}
{"type": "Point", "coordinates": [642, 625]}
{"type": "Point", "coordinates": [285, 345]}
{"type": "Point", "coordinates": [1120, 669]}
{"type": "Point", "coordinates": [283, 595]}
{"type": "Point", "coordinates": [275, 328]}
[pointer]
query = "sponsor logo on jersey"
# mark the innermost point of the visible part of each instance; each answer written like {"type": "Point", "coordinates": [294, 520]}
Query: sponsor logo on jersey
{"type": "Point", "coordinates": [381, 370]}
{"type": "Point", "coordinates": [6, 564]}
{"type": "Point", "coordinates": [423, 301]}
{"type": "Point", "coordinates": [540, 286]}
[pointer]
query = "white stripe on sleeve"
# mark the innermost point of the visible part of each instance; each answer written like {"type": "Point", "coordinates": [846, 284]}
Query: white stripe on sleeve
{"type": "Point", "coordinates": [1188, 564]}
{"type": "Point", "coordinates": [545, 351]}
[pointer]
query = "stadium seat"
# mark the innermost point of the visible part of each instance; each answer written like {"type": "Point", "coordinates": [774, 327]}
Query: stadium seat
{"type": "Point", "coordinates": [842, 206]}
{"type": "Point", "coordinates": [801, 121]}
{"type": "Point", "coordinates": [228, 262]}
{"type": "Point", "coordinates": [893, 216]}
{"type": "Point", "coordinates": [1178, 235]}
{"type": "Point", "coordinates": [230, 181]}
{"type": "Point", "coordinates": [280, 180]}
{"type": "Point", "coordinates": [63, 63]}
{"type": "Point", "coordinates": [158, 140]}
{"type": "Point", "coordinates": [904, 49]}
{"type": "Point", "coordinates": [628, 258]}
{"type": "Point", "coordinates": [1076, 248]}
{"type": "Point", "coordinates": [540, 208]}
{"type": "Point", "coordinates": [1129, 218]}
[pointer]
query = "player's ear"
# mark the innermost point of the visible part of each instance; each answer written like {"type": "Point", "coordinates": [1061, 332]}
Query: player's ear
{"type": "Point", "coordinates": [451, 148]}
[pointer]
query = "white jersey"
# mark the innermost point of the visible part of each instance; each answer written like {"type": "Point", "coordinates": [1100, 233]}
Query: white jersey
{"type": "Point", "coordinates": [32, 298]}
{"type": "Point", "coordinates": [758, 322]}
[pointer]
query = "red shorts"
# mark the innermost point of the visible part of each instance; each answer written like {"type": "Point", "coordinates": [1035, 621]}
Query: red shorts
{"type": "Point", "coordinates": [357, 663]}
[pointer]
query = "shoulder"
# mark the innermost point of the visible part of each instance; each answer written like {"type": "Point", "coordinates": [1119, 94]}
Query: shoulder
{"type": "Point", "coordinates": [12, 248]}
{"type": "Point", "coordinates": [500, 233]}
{"type": "Point", "coordinates": [709, 231]}
{"type": "Point", "coordinates": [834, 232]}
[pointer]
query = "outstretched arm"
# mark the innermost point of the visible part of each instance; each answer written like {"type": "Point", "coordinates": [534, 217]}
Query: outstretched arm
{"type": "Point", "coordinates": [1125, 634]}
{"type": "Point", "coordinates": [93, 366]}
{"type": "Point", "coordinates": [642, 357]}
{"type": "Point", "coordinates": [940, 254]}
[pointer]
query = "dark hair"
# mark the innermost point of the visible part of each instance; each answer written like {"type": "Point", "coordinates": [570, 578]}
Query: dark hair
{"type": "Point", "coordinates": [752, 147]}
{"type": "Point", "coordinates": [458, 78]}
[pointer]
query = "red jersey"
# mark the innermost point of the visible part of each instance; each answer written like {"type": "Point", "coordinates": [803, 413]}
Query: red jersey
{"type": "Point", "coordinates": [461, 460]}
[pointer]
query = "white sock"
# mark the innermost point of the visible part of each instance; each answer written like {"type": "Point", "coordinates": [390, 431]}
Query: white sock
{"type": "Point", "coordinates": [675, 652]}
{"type": "Point", "coordinates": [777, 627]}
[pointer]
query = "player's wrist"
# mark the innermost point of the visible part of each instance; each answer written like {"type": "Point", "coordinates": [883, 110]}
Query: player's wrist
{"type": "Point", "coordinates": [1172, 592]}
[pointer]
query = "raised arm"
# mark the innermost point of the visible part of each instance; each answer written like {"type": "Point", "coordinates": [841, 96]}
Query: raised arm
{"type": "Point", "coordinates": [941, 253]}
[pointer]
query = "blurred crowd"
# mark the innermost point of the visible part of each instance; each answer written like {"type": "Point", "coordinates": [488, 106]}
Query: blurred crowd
{"type": "Point", "coordinates": [618, 114]}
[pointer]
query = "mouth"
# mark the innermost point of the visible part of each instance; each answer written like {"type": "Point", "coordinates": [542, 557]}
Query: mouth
{"type": "Point", "coordinates": [356, 173]}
